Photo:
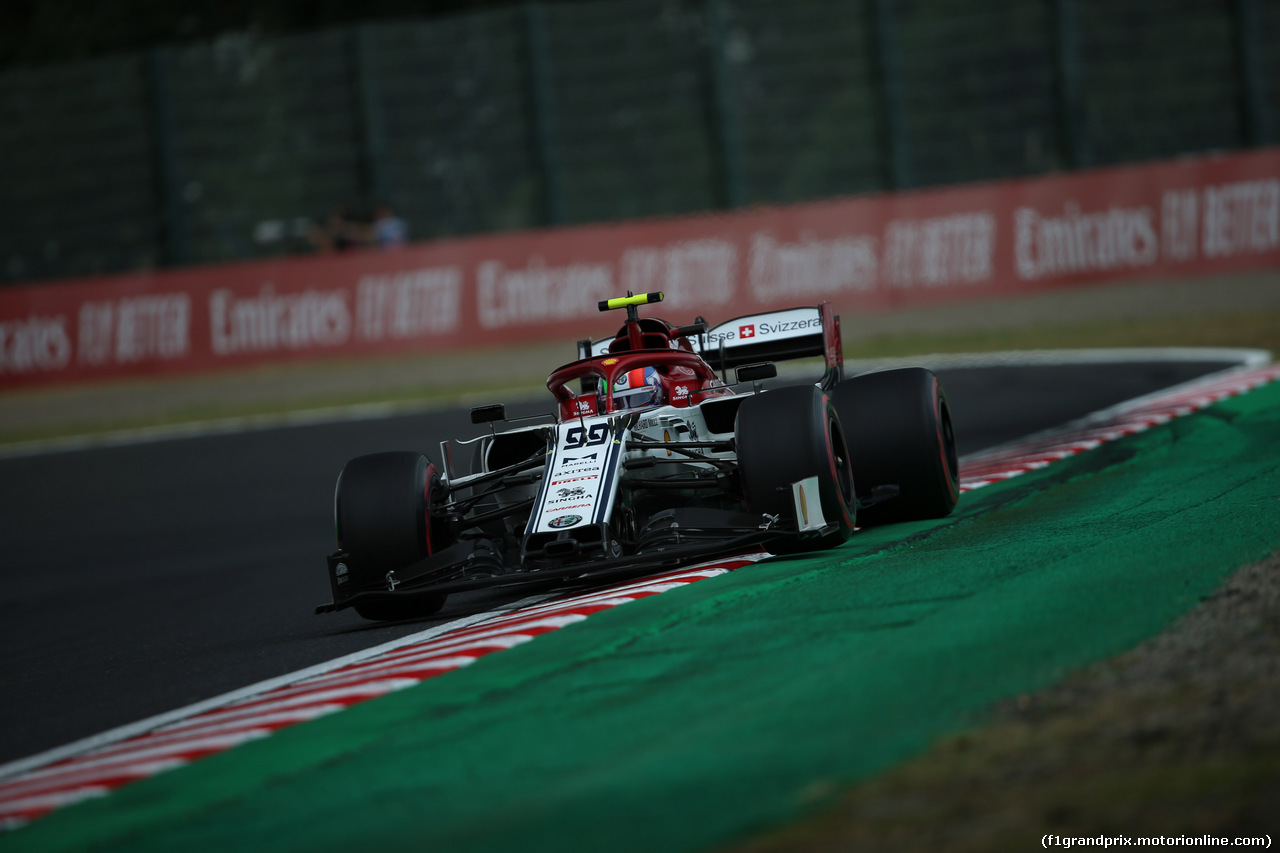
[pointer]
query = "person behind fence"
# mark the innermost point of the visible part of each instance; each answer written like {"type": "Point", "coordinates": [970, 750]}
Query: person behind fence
{"type": "Point", "coordinates": [387, 230]}
{"type": "Point", "coordinates": [338, 233]}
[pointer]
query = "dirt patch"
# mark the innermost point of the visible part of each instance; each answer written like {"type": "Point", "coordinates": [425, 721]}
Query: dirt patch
{"type": "Point", "coordinates": [1178, 737]}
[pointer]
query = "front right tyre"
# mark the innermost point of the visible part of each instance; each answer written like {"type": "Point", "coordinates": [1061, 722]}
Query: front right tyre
{"type": "Point", "coordinates": [382, 516]}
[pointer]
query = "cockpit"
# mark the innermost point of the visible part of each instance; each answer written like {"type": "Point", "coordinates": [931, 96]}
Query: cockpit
{"type": "Point", "coordinates": [648, 363]}
{"type": "Point", "coordinates": [631, 381]}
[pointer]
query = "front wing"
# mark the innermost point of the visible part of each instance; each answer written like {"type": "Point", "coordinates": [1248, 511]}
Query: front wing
{"type": "Point", "coordinates": [468, 566]}
{"type": "Point", "coordinates": [693, 535]}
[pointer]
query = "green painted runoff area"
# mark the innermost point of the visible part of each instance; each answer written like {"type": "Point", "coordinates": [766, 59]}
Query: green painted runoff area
{"type": "Point", "coordinates": [696, 718]}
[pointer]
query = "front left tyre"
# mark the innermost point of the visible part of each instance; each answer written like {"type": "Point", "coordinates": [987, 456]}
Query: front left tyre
{"type": "Point", "coordinates": [382, 511]}
{"type": "Point", "coordinates": [899, 429]}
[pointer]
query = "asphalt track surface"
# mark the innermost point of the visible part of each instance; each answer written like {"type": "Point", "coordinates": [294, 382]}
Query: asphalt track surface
{"type": "Point", "coordinates": [142, 578]}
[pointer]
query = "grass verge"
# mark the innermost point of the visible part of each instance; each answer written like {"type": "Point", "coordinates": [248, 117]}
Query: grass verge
{"type": "Point", "coordinates": [1248, 329]}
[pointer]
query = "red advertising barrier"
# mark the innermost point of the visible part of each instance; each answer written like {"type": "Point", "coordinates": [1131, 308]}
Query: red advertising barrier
{"type": "Point", "coordinates": [1186, 217]}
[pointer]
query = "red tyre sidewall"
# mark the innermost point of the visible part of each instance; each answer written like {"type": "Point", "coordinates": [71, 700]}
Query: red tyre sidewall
{"type": "Point", "coordinates": [833, 502]}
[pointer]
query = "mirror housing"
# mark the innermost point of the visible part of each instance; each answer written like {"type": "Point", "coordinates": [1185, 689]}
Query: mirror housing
{"type": "Point", "coordinates": [757, 372]}
{"type": "Point", "coordinates": [488, 414]}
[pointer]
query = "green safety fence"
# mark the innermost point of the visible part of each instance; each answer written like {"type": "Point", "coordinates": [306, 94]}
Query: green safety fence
{"type": "Point", "coordinates": [569, 112]}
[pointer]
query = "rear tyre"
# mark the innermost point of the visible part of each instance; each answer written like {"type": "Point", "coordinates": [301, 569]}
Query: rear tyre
{"type": "Point", "coordinates": [898, 426]}
{"type": "Point", "coordinates": [788, 435]}
{"type": "Point", "coordinates": [382, 516]}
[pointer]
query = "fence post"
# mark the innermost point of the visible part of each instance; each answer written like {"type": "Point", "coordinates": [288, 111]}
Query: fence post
{"type": "Point", "coordinates": [1255, 124]}
{"type": "Point", "coordinates": [542, 111]}
{"type": "Point", "coordinates": [371, 127]}
{"type": "Point", "coordinates": [173, 239]}
{"type": "Point", "coordinates": [726, 142]}
{"type": "Point", "coordinates": [1065, 36]}
{"type": "Point", "coordinates": [886, 76]}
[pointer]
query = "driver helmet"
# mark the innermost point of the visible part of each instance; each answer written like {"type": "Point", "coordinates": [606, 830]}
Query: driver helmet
{"type": "Point", "coordinates": [637, 389]}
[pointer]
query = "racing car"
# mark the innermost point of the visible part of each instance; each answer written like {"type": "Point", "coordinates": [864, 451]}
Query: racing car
{"type": "Point", "coordinates": [654, 457]}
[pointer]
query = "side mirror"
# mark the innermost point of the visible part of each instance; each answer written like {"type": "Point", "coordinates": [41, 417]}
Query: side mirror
{"type": "Point", "coordinates": [756, 372]}
{"type": "Point", "coordinates": [697, 327]}
{"type": "Point", "coordinates": [488, 414]}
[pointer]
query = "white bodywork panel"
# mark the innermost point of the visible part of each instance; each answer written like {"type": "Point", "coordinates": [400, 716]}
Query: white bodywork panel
{"type": "Point", "coordinates": [768, 327]}
{"type": "Point", "coordinates": [808, 502]}
{"type": "Point", "coordinates": [579, 486]}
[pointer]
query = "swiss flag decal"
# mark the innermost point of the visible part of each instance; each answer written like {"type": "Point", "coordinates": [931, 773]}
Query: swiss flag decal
{"type": "Point", "coordinates": [747, 331]}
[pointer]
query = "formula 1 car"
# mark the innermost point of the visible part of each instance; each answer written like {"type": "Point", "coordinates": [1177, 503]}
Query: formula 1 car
{"type": "Point", "coordinates": [652, 459]}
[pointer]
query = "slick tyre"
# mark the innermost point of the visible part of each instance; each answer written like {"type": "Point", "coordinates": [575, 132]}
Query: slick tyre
{"type": "Point", "coordinates": [382, 516]}
{"type": "Point", "coordinates": [899, 431]}
{"type": "Point", "coordinates": [792, 434]}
